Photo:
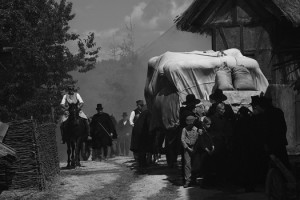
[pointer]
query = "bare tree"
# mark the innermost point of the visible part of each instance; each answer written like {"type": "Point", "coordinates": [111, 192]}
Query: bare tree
{"type": "Point", "coordinates": [114, 48]}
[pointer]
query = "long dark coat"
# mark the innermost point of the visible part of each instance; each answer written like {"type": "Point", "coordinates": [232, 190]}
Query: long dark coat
{"type": "Point", "coordinates": [248, 152]}
{"type": "Point", "coordinates": [123, 129]}
{"type": "Point", "coordinates": [140, 133]}
{"type": "Point", "coordinates": [100, 137]}
{"type": "Point", "coordinates": [274, 133]}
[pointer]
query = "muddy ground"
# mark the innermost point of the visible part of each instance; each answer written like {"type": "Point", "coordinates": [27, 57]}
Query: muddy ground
{"type": "Point", "coordinates": [118, 178]}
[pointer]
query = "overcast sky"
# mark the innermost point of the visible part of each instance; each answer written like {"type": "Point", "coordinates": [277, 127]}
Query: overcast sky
{"type": "Point", "coordinates": [152, 26]}
{"type": "Point", "coordinates": [107, 18]}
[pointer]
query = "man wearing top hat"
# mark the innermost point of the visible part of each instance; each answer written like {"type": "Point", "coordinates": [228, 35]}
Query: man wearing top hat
{"type": "Point", "coordinates": [124, 130]}
{"type": "Point", "coordinates": [102, 131]}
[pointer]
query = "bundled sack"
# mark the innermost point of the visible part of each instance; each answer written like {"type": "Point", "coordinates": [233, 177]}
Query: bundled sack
{"type": "Point", "coordinates": [242, 79]}
{"type": "Point", "coordinates": [223, 78]}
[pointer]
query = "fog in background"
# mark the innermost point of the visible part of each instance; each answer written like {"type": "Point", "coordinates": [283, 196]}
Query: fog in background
{"type": "Point", "coordinates": [117, 87]}
{"type": "Point", "coordinates": [153, 33]}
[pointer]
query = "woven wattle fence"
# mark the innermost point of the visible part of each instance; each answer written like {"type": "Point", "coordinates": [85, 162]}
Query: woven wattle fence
{"type": "Point", "coordinates": [36, 151]}
{"type": "Point", "coordinates": [7, 158]}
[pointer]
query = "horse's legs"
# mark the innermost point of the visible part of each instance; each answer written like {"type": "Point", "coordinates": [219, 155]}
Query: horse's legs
{"type": "Point", "coordinates": [77, 151]}
{"type": "Point", "coordinates": [72, 156]}
{"type": "Point", "coordinates": [68, 152]}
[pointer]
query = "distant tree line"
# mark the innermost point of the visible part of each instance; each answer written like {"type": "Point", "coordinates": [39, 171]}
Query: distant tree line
{"type": "Point", "coordinates": [34, 59]}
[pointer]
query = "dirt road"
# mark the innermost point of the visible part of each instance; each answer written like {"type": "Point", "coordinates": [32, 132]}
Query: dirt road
{"type": "Point", "coordinates": [117, 178]}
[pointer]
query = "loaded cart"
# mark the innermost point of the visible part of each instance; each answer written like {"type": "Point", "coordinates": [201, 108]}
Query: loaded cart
{"type": "Point", "coordinates": [173, 75]}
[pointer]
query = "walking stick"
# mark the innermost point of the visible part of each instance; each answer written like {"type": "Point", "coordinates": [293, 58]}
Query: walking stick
{"type": "Point", "coordinates": [110, 135]}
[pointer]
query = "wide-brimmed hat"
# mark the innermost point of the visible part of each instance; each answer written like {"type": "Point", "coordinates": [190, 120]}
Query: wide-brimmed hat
{"type": "Point", "coordinates": [140, 102]}
{"type": "Point", "coordinates": [261, 101]}
{"type": "Point", "coordinates": [244, 111]}
{"type": "Point", "coordinates": [70, 87]}
{"type": "Point", "coordinates": [255, 100]}
{"type": "Point", "coordinates": [218, 95]}
{"type": "Point", "coordinates": [190, 99]}
{"type": "Point", "coordinates": [124, 114]}
{"type": "Point", "coordinates": [99, 106]}
{"type": "Point", "coordinates": [190, 119]}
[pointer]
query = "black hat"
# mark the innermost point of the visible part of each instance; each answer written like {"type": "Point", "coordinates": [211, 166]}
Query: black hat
{"type": "Point", "coordinates": [218, 95]}
{"type": "Point", "coordinates": [190, 99]}
{"type": "Point", "coordinates": [261, 101]}
{"type": "Point", "coordinates": [70, 87]}
{"type": "Point", "coordinates": [140, 102]}
{"type": "Point", "coordinates": [255, 100]}
{"type": "Point", "coordinates": [124, 114]}
{"type": "Point", "coordinates": [244, 111]}
{"type": "Point", "coordinates": [99, 107]}
{"type": "Point", "coordinates": [265, 102]}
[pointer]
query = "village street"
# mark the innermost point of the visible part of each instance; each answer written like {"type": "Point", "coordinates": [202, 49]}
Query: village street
{"type": "Point", "coordinates": [117, 178]}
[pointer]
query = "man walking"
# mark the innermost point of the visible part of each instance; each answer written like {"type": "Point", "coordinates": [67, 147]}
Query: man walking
{"type": "Point", "coordinates": [103, 131]}
{"type": "Point", "coordinates": [124, 130]}
{"type": "Point", "coordinates": [134, 115]}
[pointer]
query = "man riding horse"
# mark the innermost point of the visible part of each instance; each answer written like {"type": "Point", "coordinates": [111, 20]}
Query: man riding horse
{"type": "Point", "coordinates": [72, 97]}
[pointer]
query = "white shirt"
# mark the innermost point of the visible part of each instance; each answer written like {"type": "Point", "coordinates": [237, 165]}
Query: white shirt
{"type": "Point", "coordinates": [71, 98]}
{"type": "Point", "coordinates": [132, 115]}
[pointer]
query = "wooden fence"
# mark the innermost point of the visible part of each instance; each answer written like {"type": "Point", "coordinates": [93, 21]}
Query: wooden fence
{"type": "Point", "coordinates": [36, 151]}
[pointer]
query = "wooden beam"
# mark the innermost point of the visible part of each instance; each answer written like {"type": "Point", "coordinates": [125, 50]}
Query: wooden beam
{"type": "Point", "coordinates": [222, 34]}
{"type": "Point", "coordinates": [258, 9]}
{"type": "Point", "coordinates": [213, 39]}
{"type": "Point", "coordinates": [200, 11]}
{"type": "Point", "coordinates": [270, 7]}
{"type": "Point", "coordinates": [216, 8]}
{"type": "Point", "coordinates": [234, 12]}
{"type": "Point", "coordinates": [259, 41]}
{"type": "Point", "coordinates": [242, 39]}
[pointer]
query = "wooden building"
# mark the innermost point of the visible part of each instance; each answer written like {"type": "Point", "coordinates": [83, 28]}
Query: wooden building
{"type": "Point", "coordinates": [266, 30]}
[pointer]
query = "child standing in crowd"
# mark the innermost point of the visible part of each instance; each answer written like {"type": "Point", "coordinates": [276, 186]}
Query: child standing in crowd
{"type": "Point", "coordinates": [189, 137]}
{"type": "Point", "coordinates": [206, 141]}
{"type": "Point", "coordinates": [206, 148]}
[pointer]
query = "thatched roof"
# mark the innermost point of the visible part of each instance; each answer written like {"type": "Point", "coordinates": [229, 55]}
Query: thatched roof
{"type": "Point", "coordinates": [200, 14]}
{"type": "Point", "coordinates": [290, 9]}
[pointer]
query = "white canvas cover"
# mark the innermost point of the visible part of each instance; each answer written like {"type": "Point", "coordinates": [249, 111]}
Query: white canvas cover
{"type": "Point", "coordinates": [177, 74]}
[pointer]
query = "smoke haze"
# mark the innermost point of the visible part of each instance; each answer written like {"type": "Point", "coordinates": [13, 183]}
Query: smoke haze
{"type": "Point", "coordinates": [118, 87]}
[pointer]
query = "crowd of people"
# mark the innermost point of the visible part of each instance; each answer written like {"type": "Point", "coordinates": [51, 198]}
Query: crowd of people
{"type": "Point", "coordinates": [217, 145]}
{"type": "Point", "coordinates": [107, 136]}
{"type": "Point", "coordinates": [221, 146]}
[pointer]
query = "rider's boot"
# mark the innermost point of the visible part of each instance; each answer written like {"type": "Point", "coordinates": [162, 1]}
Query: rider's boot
{"type": "Point", "coordinates": [91, 154]}
{"type": "Point", "coordinates": [62, 134]}
{"type": "Point", "coordinates": [87, 126]}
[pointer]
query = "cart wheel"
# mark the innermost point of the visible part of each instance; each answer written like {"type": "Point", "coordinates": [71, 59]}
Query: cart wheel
{"type": "Point", "coordinates": [85, 151]}
{"type": "Point", "coordinates": [275, 185]}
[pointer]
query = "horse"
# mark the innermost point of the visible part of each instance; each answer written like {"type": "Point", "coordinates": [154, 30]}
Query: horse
{"type": "Point", "coordinates": [75, 133]}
